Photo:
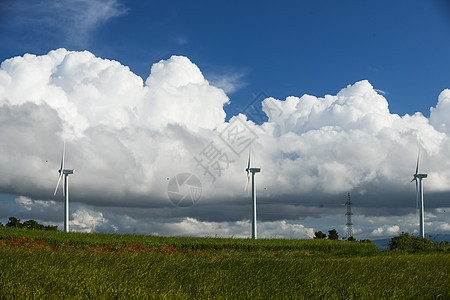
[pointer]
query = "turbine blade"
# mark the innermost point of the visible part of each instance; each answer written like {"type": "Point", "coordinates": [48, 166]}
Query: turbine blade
{"type": "Point", "coordinates": [417, 166]}
{"type": "Point", "coordinates": [63, 155]}
{"type": "Point", "coordinates": [61, 169]}
{"type": "Point", "coordinates": [246, 183]}
{"type": "Point", "coordinates": [59, 179]}
{"type": "Point", "coordinates": [248, 169]}
{"type": "Point", "coordinates": [248, 164]}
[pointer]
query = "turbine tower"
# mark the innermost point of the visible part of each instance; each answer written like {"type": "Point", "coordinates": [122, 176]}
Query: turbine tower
{"type": "Point", "coordinates": [419, 196]}
{"type": "Point", "coordinates": [253, 171]}
{"type": "Point", "coordinates": [349, 217]}
{"type": "Point", "coordinates": [66, 172]}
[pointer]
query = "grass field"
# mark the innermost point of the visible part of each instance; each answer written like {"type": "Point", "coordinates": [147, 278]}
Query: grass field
{"type": "Point", "coordinates": [44, 264]}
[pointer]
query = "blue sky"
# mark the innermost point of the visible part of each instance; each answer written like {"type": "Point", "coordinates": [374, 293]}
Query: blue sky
{"type": "Point", "coordinates": [393, 53]}
{"type": "Point", "coordinates": [291, 48]}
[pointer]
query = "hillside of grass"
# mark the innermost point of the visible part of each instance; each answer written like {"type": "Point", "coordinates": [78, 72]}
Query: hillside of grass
{"type": "Point", "coordinates": [36, 264]}
{"type": "Point", "coordinates": [328, 247]}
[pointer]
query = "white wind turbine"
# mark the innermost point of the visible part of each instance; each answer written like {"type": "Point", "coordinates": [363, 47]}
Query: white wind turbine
{"type": "Point", "coordinates": [253, 171]}
{"type": "Point", "coordinates": [66, 172]}
{"type": "Point", "coordinates": [419, 192]}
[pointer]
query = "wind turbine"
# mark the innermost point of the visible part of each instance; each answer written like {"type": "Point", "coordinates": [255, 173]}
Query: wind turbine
{"type": "Point", "coordinates": [66, 172]}
{"type": "Point", "coordinates": [419, 192]}
{"type": "Point", "coordinates": [253, 171]}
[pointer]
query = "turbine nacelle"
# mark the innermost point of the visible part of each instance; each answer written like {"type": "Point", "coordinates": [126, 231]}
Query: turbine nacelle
{"type": "Point", "coordinates": [253, 170]}
{"type": "Point", "coordinates": [420, 176]}
{"type": "Point", "coordinates": [66, 171]}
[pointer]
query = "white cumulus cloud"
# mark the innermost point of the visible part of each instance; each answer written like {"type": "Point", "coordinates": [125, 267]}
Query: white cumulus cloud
{"type": "Point", "coordinates": [86, 220]}
{"type": "Point", "coordinates": [439, 116]}
{"type": "Point", "coordinates": [386, 231]}
{"type": "Point", "coordinates": [126, 137]}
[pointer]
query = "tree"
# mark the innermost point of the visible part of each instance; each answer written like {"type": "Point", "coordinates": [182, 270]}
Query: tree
{"type": "Point", "coordinates": [14, 222]}
{"type": "Point", "coordinates": [333, 234]}
{"type": "Point", "coordinates": [51, 227]}
{"type": "Point", "coordinates": [319, 235]}
{"type": "Point", "coordinates": [351, 239]}
{"type": "Point", "coordinates": [32, 224]}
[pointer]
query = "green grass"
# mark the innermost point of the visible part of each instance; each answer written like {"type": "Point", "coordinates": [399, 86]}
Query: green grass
{"type": "Point", "coordinates": [326, 247]}
{"type": "Point", "coordinates": [39, 264]}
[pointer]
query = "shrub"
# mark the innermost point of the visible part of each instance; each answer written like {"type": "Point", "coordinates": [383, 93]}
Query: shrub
{"type": "Point", "coordinates": [319, 235]}
{"type": "Point", "coordinates": [333, 234]}
{"type": "Point", "coordinates": [14, 222]}
{"type": "Point", "coordinates": [412, 244]}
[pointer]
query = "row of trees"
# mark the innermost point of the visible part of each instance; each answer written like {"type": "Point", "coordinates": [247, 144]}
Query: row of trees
{"type": "Point", "coordinates": [332, 235]}
{"type": "Point", "coordinates": [30, 224]}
